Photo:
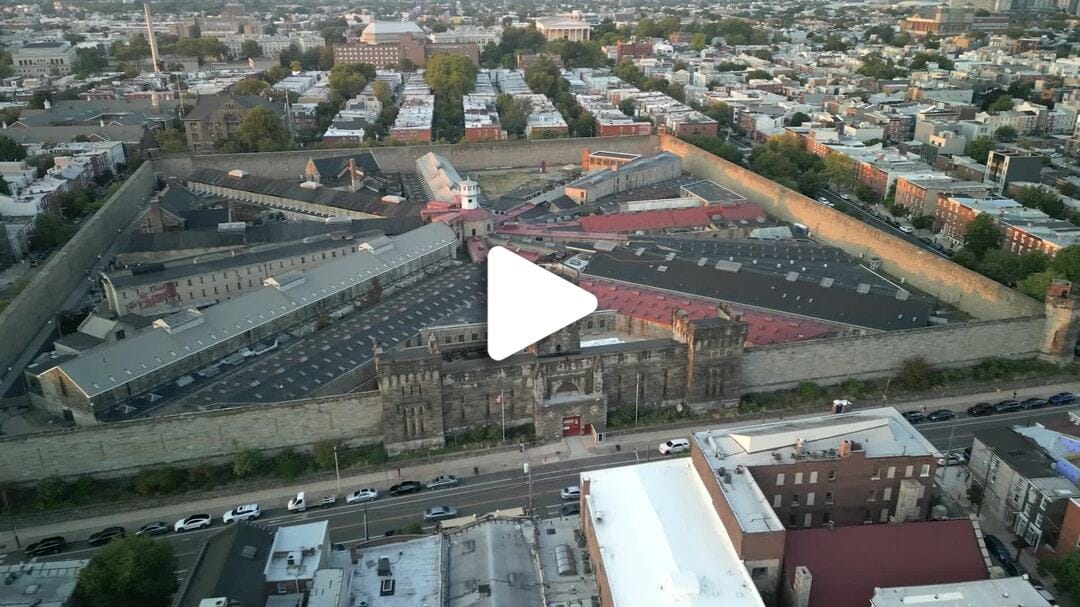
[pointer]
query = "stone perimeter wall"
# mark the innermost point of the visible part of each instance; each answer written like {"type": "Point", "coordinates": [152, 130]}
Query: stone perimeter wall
{"type": "Point", "coordinates": [124, 447]}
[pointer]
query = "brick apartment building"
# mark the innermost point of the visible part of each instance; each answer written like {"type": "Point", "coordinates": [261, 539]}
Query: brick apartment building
{"type": "Point", "coordinates": [920, 192]}
{"type": "Point", "coordinates": [217, 117]}
{"type": "Point", "coordinates": [1022, 229]}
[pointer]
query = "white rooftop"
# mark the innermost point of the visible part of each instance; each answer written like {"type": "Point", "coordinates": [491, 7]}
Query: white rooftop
{"type": "Point", "coordinates": [415, 567]}
{"type": "Point", "coordinates": [48, 584]}
{"type": "Point", "coordinates": [297, 551]}
{"type": "Point", "coordinates": [1004, 591]}
{"type": "Point", "coordinates": [661, 540]}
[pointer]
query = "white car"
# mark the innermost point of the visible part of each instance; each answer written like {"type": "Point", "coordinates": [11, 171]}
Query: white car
{"type": "Point", "coordinates": [572, 492]}
{"type": "Point", "coordinates": [242, 513]}
{"type": "Point", "coordinates": [675, 445]}
{"type": "Point", "coordinates": [362, 495]}
{"type": "Point", "coordinates": [823, 200]}
{"type": "Point", "coordinates": [298, 503]}
{"type": "Point", "coordinates": [193, 522]}
{"type": "Point", "coordinates": [906, 229]}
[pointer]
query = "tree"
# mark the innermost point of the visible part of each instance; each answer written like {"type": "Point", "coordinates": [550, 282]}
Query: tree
{"type": "Point", "coordinates": [261, 130]}
{"type": "Point", "coordinates": [921, 60]}
{"type": "Point", "coordinates": [839, 169]}
{"type": "Point", "coordinates": [584, 125]}
{"type": "Point", "coordinates": [448, 74]}
{"type": "Point", "coordinates": [250, 48]}
{"type": "Point", "coordinates": [246, 463]}
{"type": "Point", "coordinates": [136, 49]}
{"type": "Point", "coordinates": [1066, 572]}
{"type": "Point", "coordinates": [251, 86]}
{"type": "Point", "coordinates": [513, 114]}
{"type": "Point", "coordinates": [798, 118]}
{"type": "Point", "coordinates": [916, 373]}
{"type": "Point", "coordinates": [979, 149]}
{"type": "Point", "coordinates": [981, 235]}
{"type": "Point", "coordinates": [10, 150]}
{"type": "Point", "coordinates": [134, 571]}
{"type": "Point", "coordinates": [50, 232]}
{"type": "Point", "coordinates": [1066, 264]}
{"type": "Point", "coordinates": [758, 75]}
{"type": "Point", "coordinates": [627, 107]}
{"type": "Point", "coordinates": [1003, 103]}
{"type": "Point", "coordinates": [88, 61]}
{"type": "Point", "coordinates": [697, 42]}
{"type": "Point", "coordinates": [38, 99]}
{"type": "Point", "coordinates": [383, 92]}
{"type": "Point", "coordinates": [1044, 199]}
{"type": "Point", "coordinates": [324, 453]}
{"type": "Point", "coordinates": [1036, 284]}
{"type": "Point", "coordinates": [346, 81]}
{"type": "Point", "coordinates": [1005, 133]}
{"type": "Point", "coordinates": [171, 141]}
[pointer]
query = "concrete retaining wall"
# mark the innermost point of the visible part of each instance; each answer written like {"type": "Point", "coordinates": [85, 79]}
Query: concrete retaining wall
{"type": "Point", "coordinates": [947, 281]}
{"type": "Point", "coordinates": [121, 448]}
{"type": "Point", "coordinates": [829, 361]}
{"type": "Point", "coordinates": [66, 269]}
{"type": "Point", "coordinates": [464, 157]}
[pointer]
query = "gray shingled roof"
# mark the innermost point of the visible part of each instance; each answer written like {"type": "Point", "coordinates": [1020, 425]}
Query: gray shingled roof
{"type": "Point", "coordinates": [363, 201]}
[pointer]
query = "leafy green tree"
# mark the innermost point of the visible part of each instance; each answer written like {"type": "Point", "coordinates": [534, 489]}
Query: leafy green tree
{"type": "Point", "coordinates": [584, 125]}
{"type": "Point", "coordinates": [1044, 199]}
{"type": "Point", "coordinates": [251, 86]}
{"type": "Point", "coordinates": [346, 81]}
{"type": "Point", "coordinates": [798, 118]}
{"type": "Point", "coordinates": [698, 42]}
{"type": "Point", "coordinates": [171, 141]}
{"type": "Point", "coordinates": [7, 68]}
{"type": "Point", "coordinates": [50, 232]}
{"type": "Point", "coordinates": [246, 463]}
{"type": "Point", "coordinates": [1005, 133]}
{"type": "Point", "coordinates": [758, 75]}
{"type": "Point", "coordinates": [383, 92]}
{"type": "Point", "coordinates": [88, 61]}
{"type": "Point", "coordinates": [323, 453]}
{"type": "Point", "coordinates": [10, 150]}
{"type": "Point", "coordinates": [1066, 572]}
{"type": "Point", "coordinates": [1036, 284]}
{"type": "Point", "coordinates": [133, 571]}
{"type": "Point", "coordinates": [1003, 103]}
{"type": "Point", "coordinates": [38, 99]}
{"type": "Point", "coordinates": [627, 107]}
{"type": "Point", "coordinates": [981, 235]}
{"type": "Point", "coordinates": [137, 48]}
{"type": "Point", "coordinates": [513, 114]}
{"type": "Point", "coordinates": [979, 149]}
{"type": "Point", "coordinates": [839, 169]}
{"type": "Point", "coordinates": [288, 465]}
{"type": "Point", "coordinates": [1066, 263]}
{"type": "Point", "coordinates": [921, 60]}
{"type": "Point", "coordinates": [916, 373]}
{"type": "Point", "coordinates": [448, 74]}
{"type": "Point", "coordinates": [41, 162]}
{"type": "Point", "coordinates": [276, 73]}
{"type": "Point", "coordinates": [261, 130]}
{"type": "Point", "coordinates": [250, 48]}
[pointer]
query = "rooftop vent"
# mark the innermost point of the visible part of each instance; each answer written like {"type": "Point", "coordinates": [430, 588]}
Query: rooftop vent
{"type": "Point", "coordinates": [386, 587]}
{"type": "Point", "coordinates": [564, 560]}
{"type": "Point", "coordinates": [862, 289]}
{"type": "Point", "coordinates": [238, 173]}
{"type": "Point", "coordinates": [286, 280]}
{"type": "Point", "coordinates": [182, 320]}
{"type": "Point", "coordinates": [249, 552]}
{"type": "Point", "coordinates": [791, 276]}
{"type": "Point", "coordinates": [384, 566]}
{"type": "Point", "coordinates": [827, 282]}
{"type": "Point", "coordinates": [903, 294]}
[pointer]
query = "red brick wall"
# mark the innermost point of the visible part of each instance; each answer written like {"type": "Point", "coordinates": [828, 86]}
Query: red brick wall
{"type": "Point", "coordinates": [697, 129]}
{"type": "Point", "coordinates": [616, 130]}
{"type": "Point", "coordinates": [1070, 529]}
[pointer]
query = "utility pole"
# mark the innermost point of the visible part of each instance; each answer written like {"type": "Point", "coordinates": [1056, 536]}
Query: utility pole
{"type": "Point", "coordinates": [528, 472]}
{"type": "Point", "coordinates": [366, 536]}
{"type": "Point", "coordinates": [637, 395]}
{"type": "Point", "coordinates": [337, 473]}
{"type": "Point", "coordinates": [502, 412]}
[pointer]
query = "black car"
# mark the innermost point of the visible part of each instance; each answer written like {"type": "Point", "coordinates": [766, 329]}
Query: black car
{"type": "Point", "coordinates": [1013, 568]}
{"type": "Point", "coordinates": [154, 529]}
{"type": "Point", "coordinates": [1007, 406]}
{"type": "Point", "coordinates": [980, 409]}
{"type": "Point", "coordinates": [913, 416]}
{"type": "Point", "coordinates": [997, 548]}
{"type": "Point", "coordinates": [406, 487]}
{"type": "Point", "coordinates": [941, 415]}
{"type": "Point", "coordinates": [1062, 398]}
{"type": "Point", "coordinates": [570, 508]}
{"type": "Point", "coordinates": [106, 535]}
{"type": "Point", "coordinates": [1035, 402]}
{"type": "Point", "coordinates": [49, 545]}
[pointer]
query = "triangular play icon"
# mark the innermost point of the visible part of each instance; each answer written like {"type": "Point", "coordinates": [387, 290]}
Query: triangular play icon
{"type": "Point", "coordinates": [526, 303]}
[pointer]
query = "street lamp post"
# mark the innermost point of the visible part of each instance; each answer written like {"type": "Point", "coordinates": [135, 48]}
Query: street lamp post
{"type": "Point", "coordinates": [337, 472]}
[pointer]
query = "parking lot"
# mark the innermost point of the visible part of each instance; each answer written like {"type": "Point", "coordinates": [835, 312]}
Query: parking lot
{"type": "Point", "coordinates": [301, 365]}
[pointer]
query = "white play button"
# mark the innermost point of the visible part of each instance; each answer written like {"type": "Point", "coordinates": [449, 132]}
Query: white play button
{"type": "Point", "coordinates": [526, 303]}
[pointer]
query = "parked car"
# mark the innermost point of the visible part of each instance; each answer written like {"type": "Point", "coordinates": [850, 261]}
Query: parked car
{"type": "Point", "coordinates": [570, 508]}
{"type": "Point", "coordinates": [193, 522]}
{"type": "Point", "coordinates": [443, 481]}
{"type": "Point", "coordinates": [953, 458]}
{"type": "Point", "coordinates": [362, 495]}
{"type": "Point", "coordinates": [1035, 402]}
{"type": "Point", "coordinates": [914, 417]}
{"type": "Point", "coordinates": [1062, 398]}
{"type": "Point", "coordinates": [298, 503]}
{"type": "Point", "coordinates": [208, 372]}
{"type": "Point", "coordinates": [823, 200]}
{"type": "Point", "coordinates": [406, 487]}
{"type": "Point", "coordinates": [997, 548]}
{"type": "Point", "coordinates": [1045, 594]}
{"type": "Point", "coordinates": [980, 409]}
{"type": "Point", "coordinates": [572, 492]}
{"type": "Point", "coordinates": [234, 359]}
{"type": "Point", "coordinates": [1007, 406]}
{"type": "Point", "coordinates": [153, 529]}
{"type": "Point", "coordinates": [106, 535]}
{"type": "Point", "coordinates": [675, 445]}
{"type": "Point", "coordinates": [49, 545]}
{"type": "Point", "coordinates": [439, 513]}
{"type": "Point", "coordinates": [242, 513]}
{"type": "Point", "coordinates": [941, 415]}
{"type": "Point", "coordinates": [1013, 568]}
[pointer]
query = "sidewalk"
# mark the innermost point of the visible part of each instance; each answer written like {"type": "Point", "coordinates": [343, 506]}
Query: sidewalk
{"type": "Point", "coordinates": [464, 465]}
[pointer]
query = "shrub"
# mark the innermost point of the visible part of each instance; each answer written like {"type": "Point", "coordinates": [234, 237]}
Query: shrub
{"type": "Point", "coordinates": [246, 463]}
{"type": "Point", "coordinates": [52, 493]}
{"type": "Point", "coordinates": [159, 481]}
{"type": "Point", "coordinates": [323, 454]}
{"type": "Point", "coordinates": [916, 374]}
{"type": "Point", "coordinates": [288, 465]}
{"type": "Point", "coordinates": [809, 391]}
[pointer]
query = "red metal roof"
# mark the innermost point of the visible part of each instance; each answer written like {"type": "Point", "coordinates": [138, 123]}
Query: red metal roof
{"type": "Point", "coordinates": [647, 220]}
{"type": "Point", "coordinates": [847, 563]}
{"type": "Point", "coordinates": [656, 306]}
{"type": "Point", "coordinates": [746, 211]}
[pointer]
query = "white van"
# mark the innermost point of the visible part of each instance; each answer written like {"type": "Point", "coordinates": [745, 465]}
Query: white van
{"type": "Point", "coordinates": [298, 503]}
{"type": "Point", "coordinates": [675, 445]}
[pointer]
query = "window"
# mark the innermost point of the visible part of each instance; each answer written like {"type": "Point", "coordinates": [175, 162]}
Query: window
{"type": "Point", "coordinates": [909, 471]}
{"type": "Point", "coordinates": [892, 472]}
{"type": "Point", "coordinates": [813, 477]}
{"type": "Point", "coordinates": [828, 498]}
{"type": "Point", "coordinates": [791, 520]}
{"type": "Point", "coordinates": [808, 519]}
{"type": "Point", "coordinates": [810, 499]}
{"type": "Point", "coordinates": [875, 474]}
{"type": "Point", "coordinates": [873, 496]}
{"type": "Point", "coordinates": [924, 471]}
{"type": "Point", "coordinates": [282, 588]}
{"type": "Point", "coordinates": [759, 572]}
{"type": "Point", "coordinates": [795, 499]}
{"type": "Point", "coordinates": [780, 479]}
{"type": "Point", "coordinates": [832, 475]}
{"type": "Point", "coordinates": [798, 478]}
{"type": "Point", "coordinates": [886, 494]}
{"type": "Point", "coordinates": [777, 500]}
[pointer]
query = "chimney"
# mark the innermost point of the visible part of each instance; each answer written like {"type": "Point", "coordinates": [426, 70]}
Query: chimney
{"type": "Point", "coordinates": [845, 448]}
{"type": "Point", "coordinates": [800, 587]}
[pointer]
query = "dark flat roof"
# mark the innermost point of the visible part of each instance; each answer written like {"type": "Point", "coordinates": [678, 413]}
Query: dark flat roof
{"type": "Point", "coordinates": [1018, 451]}
{"type": "Point", "coordinates": [225, 569]}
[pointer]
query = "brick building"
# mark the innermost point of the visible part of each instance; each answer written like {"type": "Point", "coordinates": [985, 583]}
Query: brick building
{"type": "Point", "coordinates": [216, 118]}
{"type": "Point", "coordinates": [920, 192]}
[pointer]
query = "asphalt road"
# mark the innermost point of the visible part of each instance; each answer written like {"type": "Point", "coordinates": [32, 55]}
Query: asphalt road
{"type": "Point", "coordinates": [488, 492]}
{"type": "Point", "coordinates": [881, 224]}
{"type": "Point", "coordinates": [305, 363]}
